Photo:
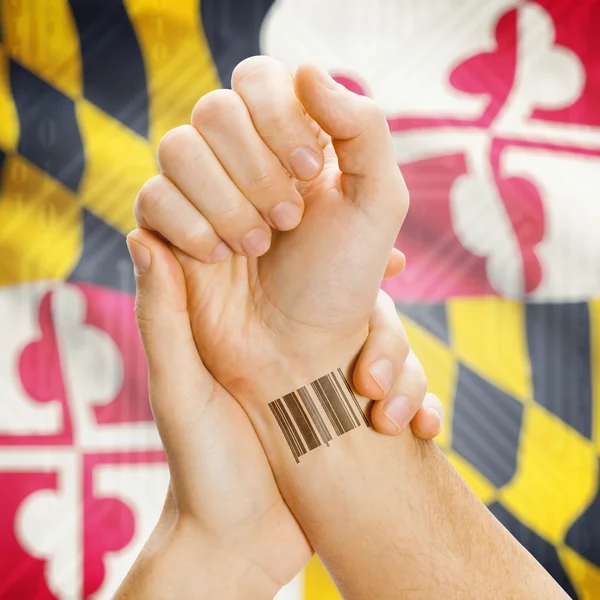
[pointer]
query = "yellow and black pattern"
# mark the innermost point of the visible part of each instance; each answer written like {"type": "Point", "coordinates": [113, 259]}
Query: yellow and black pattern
{"type": "Point", "coordinates": [523, 420]}
{"type": "Point", "coordinates": [522, 399]}
{"type": "Point", "coordinates": [87, 89]}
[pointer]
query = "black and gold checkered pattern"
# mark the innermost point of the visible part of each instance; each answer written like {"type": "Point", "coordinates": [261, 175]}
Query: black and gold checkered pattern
{"type": "Point", "coordinates": [522, 399]}
{"type": "Point", "coordinates": [523, 419]}
{"type": "Point", "coordinates": [87, 89]}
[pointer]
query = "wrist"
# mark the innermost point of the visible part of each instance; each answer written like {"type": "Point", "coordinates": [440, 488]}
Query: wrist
{"type": "Point", "coordinates": [223, 572]}
{"type": "Point", "coordinates": [291, 367]}
{"type": "Point", "coordinates": [186, 562]}
{"type": "Point", "coordinates": [333, 488]}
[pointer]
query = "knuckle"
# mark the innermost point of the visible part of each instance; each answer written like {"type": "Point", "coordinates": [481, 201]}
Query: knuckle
{"type": "Point", "coordinates": [229, 212]}
{"type": "Point", "coordinates": [281, 127]}
{"type": "Point", "coordinates": [402, 350]}
{"type": "Point", "coordinates": [251, 68]}
{"type": "Point", "coordinates": [263, 182]}
{"type": "Point", "coordinates": [143, 315]}
{"type": "Point", "coordinates": [215, 106]}
{"type": "Point", "coordinates": [403, 200]}
{"type": "Point", "coordinates": [387, 307]}
{"type": "Point", "coordinates": [195, 240]}
{"type": "Point", "coordinates": [413, 381]}
{"type": "Point", "coordinates": [373, 112]}
{"type": "Point", "coordinates": [148, 199]}
{"type": "Point", "coordinates": [402, 340]}
{"type": "Point", "coordinates": [421, 381]}
{"type": "Point", "coordinates": [169, 147]}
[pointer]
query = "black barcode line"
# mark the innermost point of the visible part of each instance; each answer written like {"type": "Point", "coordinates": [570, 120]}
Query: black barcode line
{"type": "Point", "coordinates": [314, 415]}
{"type": "Point", "coordinates": [294, 431]}
{"type": "Point", "coordinates": [352, 395]}
{"type": "Point", "coordinates": [275, 410]}
{"type": "Point", "coordinates": [352, 421]}
{"type": "Point", "coordinates": [322, 397]}
{"type": "Point", "coordinates": [302, 421]}
{"type": "Point", "coordinates": [293, 437]}
{"type": "Point", "coordinates": [355, 420]}
{"type": "Point", "coordinates": [337, 403]}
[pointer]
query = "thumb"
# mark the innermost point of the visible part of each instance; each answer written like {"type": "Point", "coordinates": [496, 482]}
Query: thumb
{"type": "Point", "coordinates": [174, 366]}
{"type": "Point", "coordinates": [360, 136]}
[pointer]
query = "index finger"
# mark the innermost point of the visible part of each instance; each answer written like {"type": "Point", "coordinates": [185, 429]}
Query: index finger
{"type": "Point", "coordinates": [267, 88]}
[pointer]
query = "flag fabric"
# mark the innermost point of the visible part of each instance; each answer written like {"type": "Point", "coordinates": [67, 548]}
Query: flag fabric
{"type": "Point", "coordinates": [495, 113]}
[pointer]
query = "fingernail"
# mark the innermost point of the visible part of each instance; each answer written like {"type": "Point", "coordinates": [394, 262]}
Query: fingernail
{"type": "Point", "coordinates": [221, 252]}
{"type": "Point", "coordinates": [397, 411]}
{"type": "Point", "coordinates": [382, 372]}
{"type": "Point", "coordinates": [256, 242]}
{"type": "Point", "coordinates": [286, 216]}
{"type": "Point", "coordinates": [305, 163]}
{"type": "Point", "coordinates": [140, 255]}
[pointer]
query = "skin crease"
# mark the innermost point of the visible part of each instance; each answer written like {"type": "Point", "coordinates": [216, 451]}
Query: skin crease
{"type": "Point", "coordinates": [388, 516]}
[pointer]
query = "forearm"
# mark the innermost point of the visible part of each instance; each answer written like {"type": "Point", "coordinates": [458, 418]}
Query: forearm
{"type": "Point", "coordinates": [390, 518]}
{"type": "Point", "coordinates": [178, 562]}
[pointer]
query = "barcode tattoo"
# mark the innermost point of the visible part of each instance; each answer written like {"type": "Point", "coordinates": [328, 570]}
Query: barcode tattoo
{"type": "Point", "coordinates": [300, 421]}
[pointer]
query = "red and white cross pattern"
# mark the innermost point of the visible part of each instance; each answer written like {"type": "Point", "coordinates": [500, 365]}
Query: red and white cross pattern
{"type": "Point", "coordinates": [494, 109]}
{"type": "Point", "coordinates": [82, 472]}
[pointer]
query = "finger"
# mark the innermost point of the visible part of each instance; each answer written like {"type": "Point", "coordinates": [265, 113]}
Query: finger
{"type": "Point", "coordinates": [396, 264]}
{"type": "Point", "coordinates": [383, 355]}
{"type": "Point", "coordinates": [185, 399]}
{"type": "Point", "coordinates": [223, 120]}
{"type": "Point", "coordinates": [392, 415]}
{"type": "Point", "coordinates": [187, 160]}
{"type": "Point", "coordinates": [361, 139]}
{"type": "Point", "coordinates": [179, 382]}
{"type": "Point", "coordinates": [429, 420]}
{"type": "Point", "coordinates": [267, 88]}
{"type": "Point", "coordinates": [161, 207]}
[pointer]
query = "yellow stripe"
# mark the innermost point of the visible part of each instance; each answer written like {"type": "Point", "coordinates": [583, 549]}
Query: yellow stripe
{"type": "Point", "coordinates": [556, 476]}
{"type": "Point", "coordinates": [42, 36]}
{"type": "Point", "coordinates": [41, 233]}
{"type": "Point", "coordinates": [441, 368]}
{"type": "Point", "coordinates": [118, 162]}
{"type": "Point", "coordinates": [9, 120]}
{"type": "Point", "coordinates": [595, 364]}
{"type": "Point", "coordinates": [178, 61]}
{"type": "Point", "coordinates": [584, 575]}
{"type": "Point", "coordinates": [489, 336]}
{"type": "Point", "coordinates": [317, 583]}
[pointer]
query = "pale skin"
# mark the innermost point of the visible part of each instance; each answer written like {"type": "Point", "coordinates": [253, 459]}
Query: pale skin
{"type": "Point", "coordinates": [272, 311]}
{"type": "Point", "coordinates": [226, 532]}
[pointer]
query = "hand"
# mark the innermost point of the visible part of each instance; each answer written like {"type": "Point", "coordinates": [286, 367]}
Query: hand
{"type": "Point", "coordinates": [223, 490]}
{"type": "Point", "coordinates": [307, 301]}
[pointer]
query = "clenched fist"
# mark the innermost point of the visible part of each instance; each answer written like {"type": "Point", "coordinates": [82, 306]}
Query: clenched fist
{"type": "Point", "coordinates": [283, 199]}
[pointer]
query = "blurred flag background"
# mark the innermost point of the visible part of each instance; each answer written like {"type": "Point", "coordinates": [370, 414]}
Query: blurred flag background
{"type": "Point", "coordinates": [495, 111]}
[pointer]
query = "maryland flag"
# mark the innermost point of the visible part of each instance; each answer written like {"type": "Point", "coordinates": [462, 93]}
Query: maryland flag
{"type": "Point", "coordinates": [495, 112]}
